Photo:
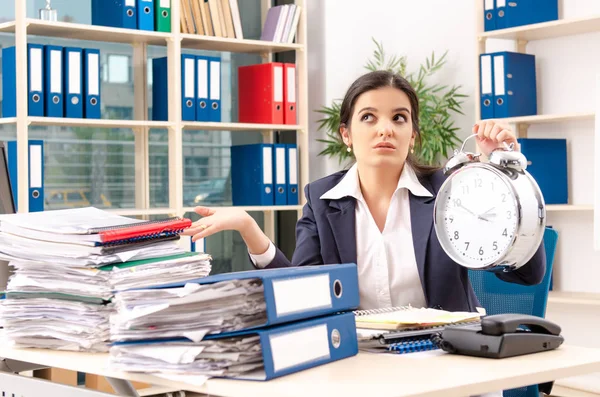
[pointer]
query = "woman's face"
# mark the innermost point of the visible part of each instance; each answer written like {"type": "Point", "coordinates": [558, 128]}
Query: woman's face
{"type": "Point", "coordinates": [381, 131]}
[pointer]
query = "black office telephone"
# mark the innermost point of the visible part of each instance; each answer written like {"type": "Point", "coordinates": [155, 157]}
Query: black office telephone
{"type": "Point", "coordinates": [502, 335]}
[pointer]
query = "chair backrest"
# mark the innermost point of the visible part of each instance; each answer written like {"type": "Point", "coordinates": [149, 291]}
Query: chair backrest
{"type": "Point", "coordinates": [498, 296]}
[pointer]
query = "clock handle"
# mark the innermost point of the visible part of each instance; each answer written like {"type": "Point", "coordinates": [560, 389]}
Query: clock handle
{"type": "Point", "coordinates": [462, 149]}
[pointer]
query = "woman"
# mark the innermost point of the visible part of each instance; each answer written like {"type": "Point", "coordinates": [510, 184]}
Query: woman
{"type": "Point", "coordinates": [379, 213]}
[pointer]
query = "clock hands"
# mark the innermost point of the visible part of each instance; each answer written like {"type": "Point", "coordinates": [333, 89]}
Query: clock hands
{"type": "Point", "coordinates": [481, 216]}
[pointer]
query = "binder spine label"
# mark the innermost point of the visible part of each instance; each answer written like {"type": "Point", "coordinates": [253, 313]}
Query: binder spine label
{"type": "Point", "coordinates": [291, 294]}
{"type": "Point", "coordinates": [290, 349]}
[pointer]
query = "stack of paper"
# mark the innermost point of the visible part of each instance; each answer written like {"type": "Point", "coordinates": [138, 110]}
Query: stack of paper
{"type": "Point", "coordinates": [231, 356]}
{"type": "Point", "coordinates": [67, 265]}
{"type": "Point", "coordinates": [191, 311]}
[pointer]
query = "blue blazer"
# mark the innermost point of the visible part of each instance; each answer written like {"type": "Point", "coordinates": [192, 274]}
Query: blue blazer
{"type": "Point", "coordinates": [326, 234]}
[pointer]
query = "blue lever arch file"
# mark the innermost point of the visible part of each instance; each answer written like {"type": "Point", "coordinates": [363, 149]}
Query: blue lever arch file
{"type": "Point", "coordinates": [188, 90]}
{"type": "Point", "coordinates": [252, 174]}
{"type": "Point", "coordinates": [91, 64]}
{"type": "Point", "coordinates": [547, 164]}
{"type": "Point", "coordinates": [489, 15]}
{"type": "Point", "coordinates": [35, 175]}
{"type": "Point", "coordinates": [333, 288]}
{"type": "Point", "coordinates": [280, 173]}
{"type": "Point", "coordinates": [214, 110]}
{"type": "Point", "coordinates": [73, 82]}
{"type": "Point", "coordinates": [35, 81]}
{"type": "Point", "coordinates": [486, 86]}
{"type": "Point", "coordinates": [277, 351]}
{"type": "Point", "coordinates": [510, 14]}
{"type": "Point", "coordinates": [114, 13]}
{"type": "Point", "coordinates": [514, 84]}
{"type": "Point", "coordinates": [202, 85]}
{"type": "Point", "coordinates": [160, 89]}
{"type": "Point", "coordinates": [53, 75]}
{"type": "Point", "coordinates": [145, 20]}
{"type": "Point", "coordinates": [292, 174]}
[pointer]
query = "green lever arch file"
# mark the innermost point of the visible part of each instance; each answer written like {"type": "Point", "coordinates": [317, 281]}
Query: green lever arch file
{"type": "Point", "coordinates": [162, 14]}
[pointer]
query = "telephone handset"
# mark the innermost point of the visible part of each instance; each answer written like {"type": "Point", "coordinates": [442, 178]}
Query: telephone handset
{"type": "Point", "coordinates": [502, 335]}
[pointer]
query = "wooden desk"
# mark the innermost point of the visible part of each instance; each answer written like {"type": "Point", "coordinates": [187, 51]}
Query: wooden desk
{"type": "Point", "coordinates": [419, 374]}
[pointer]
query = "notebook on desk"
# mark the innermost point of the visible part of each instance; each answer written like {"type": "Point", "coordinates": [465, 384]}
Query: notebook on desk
{"type": "Point", "coordinates": [408, 317]}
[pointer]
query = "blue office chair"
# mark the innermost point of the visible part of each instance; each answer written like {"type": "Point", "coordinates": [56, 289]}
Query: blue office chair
{"type": "Point", "coordinates": [498, 296]}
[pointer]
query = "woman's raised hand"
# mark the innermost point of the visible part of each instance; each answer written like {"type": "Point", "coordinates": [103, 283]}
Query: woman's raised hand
{"type": "Point", "coordinates": [217, 219]}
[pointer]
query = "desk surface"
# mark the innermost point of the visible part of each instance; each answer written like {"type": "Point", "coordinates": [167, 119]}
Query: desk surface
{"type": "Point", "coordinates": [416, 374]}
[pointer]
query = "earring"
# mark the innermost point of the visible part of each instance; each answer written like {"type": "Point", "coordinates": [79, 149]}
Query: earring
{"type": "Point", "coordinates": [349, 149]}
{"type": "Point", "coordinates": [412, 149]}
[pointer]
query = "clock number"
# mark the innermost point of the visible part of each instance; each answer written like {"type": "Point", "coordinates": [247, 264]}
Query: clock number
{"type": "Point", "coordinates": [465, 189]}
{"type": "Point", "coordinates": [508, 214]}
{"type": "Point", "coordinates": [504, 233]}
{"type": "Point", "coordinates": [495, 245]}
{"type": "Point", "coordinates": [467, 243]}
{"type": "Point", "coordinates": [456, 235]}
{"type": "Point", "coordinates": [456, 202]}
{"type": "Point", "coordinates": [478, 182]}
{"type": "Point", "coordinates": [480, 250]}
{"type": "Point", "coordinates": [504, 197]}
{"type": "Point", "coordinates": [492, 186]}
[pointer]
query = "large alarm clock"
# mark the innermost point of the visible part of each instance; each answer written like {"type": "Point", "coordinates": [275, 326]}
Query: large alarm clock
{"type": "Point", "coordinates": [489, 215]}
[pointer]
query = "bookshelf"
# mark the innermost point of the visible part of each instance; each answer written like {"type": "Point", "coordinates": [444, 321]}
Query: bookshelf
{"type": "Point", "coordinates": [175, 41]}
{"type": "Point", "coordinates": [521, 36]}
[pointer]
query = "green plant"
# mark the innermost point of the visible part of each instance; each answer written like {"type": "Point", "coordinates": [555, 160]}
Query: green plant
{"type": "Point", "coordinates": [436, 102]}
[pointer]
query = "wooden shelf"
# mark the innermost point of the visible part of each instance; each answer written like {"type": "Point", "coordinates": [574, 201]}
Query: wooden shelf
{"type": "Point", "coordinates": [548, 118]}
{"type": "Point", "coordinates": [255, 208]}
{"type": "Point", "coordinates": [547, 30]}
{"type": "Point", "coordinates": [147, 211]}
{"type": "Point", "coordinates": [210, 43]}
{"type": "Point", "coordinates": [569, 207]}
{"type": "Point", "coordinates": [78, 31]}
{"type": "Point", "coordinates": [574, 298]}
{"type": "Point", "coordinates": [238, 126]}
{"type": "Point", "coordinates": [68, 30]}
{"type": "Point", "coordinates": [100, 123]}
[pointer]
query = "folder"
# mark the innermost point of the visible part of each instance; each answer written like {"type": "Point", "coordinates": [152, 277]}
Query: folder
{"type": "Point", "coordinates": [279, 350]}
{"type": "Point", "coordinates": [511, 14]}
{"type": "Point", "coordinates": [333, 288]}
{"type": "Point", "coordinates": [35, 175]}
{"type": "Point", "coordinates": [9, 82]}
{"type": "Point", "coordinates": [114, 13]}
{"type": "Point", "coordinates": [547, 164]}
{"type": "Point", "coordinates": [35, 81]}
{"type": "Point", "coordinates": [145, 15]}
{"type": "Point", "coordinates": [53, 74]}
{"type": "Point", "coordinates": [292, 174]}
{"type": "Point", "coordinates": [289, 95]}
{"type": "Point", "coordinates": [160, 89]}
{"type": "Point", "coordinates": [202, 100]}
{"type": "Point", "coordinates": [514, 84]}
{"type": "Point", "coordinates": [73, 82]}
{"type": "Point", "coordinates": [486, 85]}
{"type": "Point", "coordinates": [214, 89]}
{"type": "Point", "coordinates": [489, 15]}
{"type": "Point", "coordinates": [260, 93]}
{"type": "Point", "coordinates": [188, 89]}
{"type": "Point", "coordinates": [280, 173]}
{"type": "Point", "coordinates": [252, 174]}
{"type": "Point", "coordinates": [162, 15]}
{"type": "Point", "coordinates": [91, 63]}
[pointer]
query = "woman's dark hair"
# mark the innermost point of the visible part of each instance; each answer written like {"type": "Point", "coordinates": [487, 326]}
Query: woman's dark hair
{"type": "Point", "coordinates": [380, 79]}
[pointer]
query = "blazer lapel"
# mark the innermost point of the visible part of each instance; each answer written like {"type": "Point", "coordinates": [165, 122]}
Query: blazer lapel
{"type": "Point", "coordinates": [343, 226]}
{"type": "Point", "coordinates": [421, 218]}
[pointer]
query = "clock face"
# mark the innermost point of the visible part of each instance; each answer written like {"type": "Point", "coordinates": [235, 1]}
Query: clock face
{"type": "Point", "coordinates": [476, 216]}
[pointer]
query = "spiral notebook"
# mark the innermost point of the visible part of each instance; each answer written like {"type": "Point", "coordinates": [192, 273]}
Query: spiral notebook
{"type": "Point", "coordinates": [408, 317]}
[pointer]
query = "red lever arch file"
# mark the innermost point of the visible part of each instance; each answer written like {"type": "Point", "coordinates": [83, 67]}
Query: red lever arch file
{"type": "Point", "coordinates": [260, 93]}
{"type": "Point", "coordinates": [289, 95]}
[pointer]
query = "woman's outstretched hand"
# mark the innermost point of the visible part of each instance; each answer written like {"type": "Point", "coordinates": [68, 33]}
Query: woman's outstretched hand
{"type": "Point", "coordinates": [217, 219]}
